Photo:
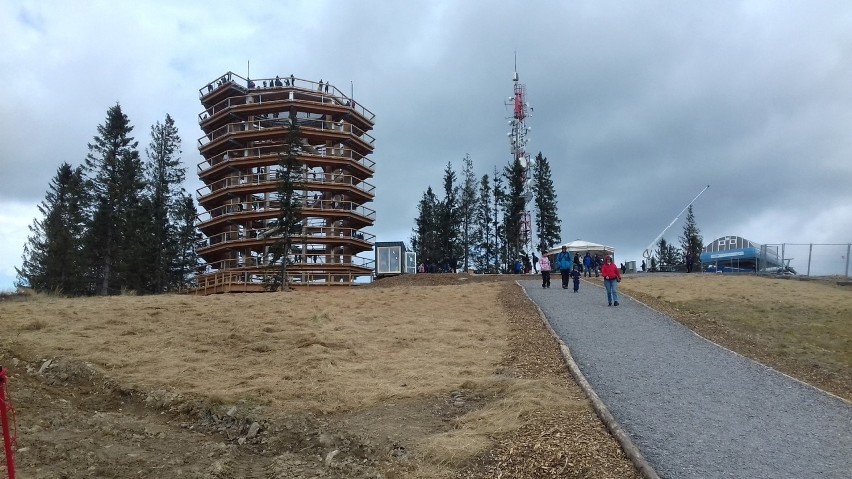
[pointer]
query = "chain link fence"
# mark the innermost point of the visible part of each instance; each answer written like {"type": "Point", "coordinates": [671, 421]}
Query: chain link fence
{"type": "Point", "coordinates": [806, 259]}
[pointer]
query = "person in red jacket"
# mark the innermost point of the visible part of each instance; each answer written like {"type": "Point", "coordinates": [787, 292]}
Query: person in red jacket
{"type": "Point", "coordinates": [611, 277]}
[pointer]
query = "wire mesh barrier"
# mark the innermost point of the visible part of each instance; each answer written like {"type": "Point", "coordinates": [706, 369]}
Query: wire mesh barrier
{"type": "Point", "coordinates": [814, 259]}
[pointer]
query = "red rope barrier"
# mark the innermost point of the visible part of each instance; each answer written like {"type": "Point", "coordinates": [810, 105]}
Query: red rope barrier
{"type": "Point", "coordinates": [5, 408]}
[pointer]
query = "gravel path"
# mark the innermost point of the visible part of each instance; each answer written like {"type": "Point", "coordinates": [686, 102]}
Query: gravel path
{"type": "Point", "coordinates": [694, 409]}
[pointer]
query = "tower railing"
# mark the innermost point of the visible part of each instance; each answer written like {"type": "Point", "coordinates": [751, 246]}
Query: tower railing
{"type": "Point", "coordinates": [299, 84]}
{"type": "Point", "coordinates": [311, 234]}
{"type": "Point", "coordinates": [310, 151]}
{"type": "Point", "coordinates": [306, 180]}
{"type": "Point", "coordinates": [269, 123]}
{"type": "Point", "coordinates": [317, 206]}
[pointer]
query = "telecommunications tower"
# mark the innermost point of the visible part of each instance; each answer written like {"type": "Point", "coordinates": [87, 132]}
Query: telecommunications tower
{"type": "Point", "coordinates": [518, 146]}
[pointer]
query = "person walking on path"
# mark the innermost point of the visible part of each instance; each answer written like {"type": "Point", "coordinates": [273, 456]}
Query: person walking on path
{"type": "Point", "coordinates": [535, 262]}
{"type": "Point", "coordinates": [611, 277]}
{"type": "Point", "coordinates": [575, 275]}
{"type": "Point", "coordinates": [544, 267]}
{"type": "Point", "coordinates": [564, 262]}
{"type": "Point", "coordinates": [587, 265]}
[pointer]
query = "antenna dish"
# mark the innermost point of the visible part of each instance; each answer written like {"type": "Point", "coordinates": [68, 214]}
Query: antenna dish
{"type": "Point", "coordinates": [523, 161]}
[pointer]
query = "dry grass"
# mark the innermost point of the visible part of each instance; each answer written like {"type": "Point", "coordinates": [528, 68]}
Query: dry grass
{"type": "Point", "coordinates": [462, 373]}
{"type": "Point", "coordinates": [517, 400]}
{"type": "Point", "coordinates": [324, 352]}
{"type": "Point", "coordinates": [803, 328]}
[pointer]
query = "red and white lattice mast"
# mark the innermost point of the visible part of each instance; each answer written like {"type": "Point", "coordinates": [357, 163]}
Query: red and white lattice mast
{"type": "Point", "coordinates": [518, 142]}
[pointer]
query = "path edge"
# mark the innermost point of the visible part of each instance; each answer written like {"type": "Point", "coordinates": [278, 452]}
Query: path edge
{"type": "Point", "coordinates": [627, 446]}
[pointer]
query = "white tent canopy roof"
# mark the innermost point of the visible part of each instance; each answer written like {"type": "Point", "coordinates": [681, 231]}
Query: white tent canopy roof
{"type": "Point", "coordinates": [580, 246]}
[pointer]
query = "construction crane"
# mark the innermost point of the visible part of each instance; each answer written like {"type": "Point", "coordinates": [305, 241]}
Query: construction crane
{"type": "Point", "coordinates": [649, 250]}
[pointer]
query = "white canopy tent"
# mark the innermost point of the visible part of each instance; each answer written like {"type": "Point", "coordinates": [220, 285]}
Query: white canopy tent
{"type": "Point", "coordinates": [580, 246]}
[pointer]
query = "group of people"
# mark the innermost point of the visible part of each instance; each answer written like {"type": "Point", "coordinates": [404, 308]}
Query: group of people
{"type": "Point", "coordinates": [570, 268]}
{"type": "Point", "coordinates": [430, 266]}
{"type": "Point", "coordinates": [525, 265]}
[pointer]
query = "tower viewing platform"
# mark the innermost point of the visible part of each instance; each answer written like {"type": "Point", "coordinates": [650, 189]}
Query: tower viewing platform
{"type": "Point", "coordinates": [245, 123]}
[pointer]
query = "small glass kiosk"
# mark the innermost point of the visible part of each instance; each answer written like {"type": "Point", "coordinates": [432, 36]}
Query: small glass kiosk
{"type": "Point", "coordinates": [393, 259]}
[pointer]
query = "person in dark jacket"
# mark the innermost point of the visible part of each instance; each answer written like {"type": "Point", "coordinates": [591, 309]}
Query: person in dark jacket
{"type": "Point", "coordinates": [575, 275]}
{"type": "Point", "coordinates": [564, 262]}
{"type": "Point", "coordinates": [587, 265]}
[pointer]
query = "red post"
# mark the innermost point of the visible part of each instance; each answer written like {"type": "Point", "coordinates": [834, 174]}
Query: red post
{"type": "Point", "coordinates": [4, 416]}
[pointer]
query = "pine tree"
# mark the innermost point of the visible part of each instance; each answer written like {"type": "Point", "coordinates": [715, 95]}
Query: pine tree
{"type": "Point", "coordinates": [667, 255]}
{"type": "Point", "coordinates": [499, 227]}
{"type": "Point", "coordinates": [662, 253]}
{"type": "Point", "coordinates": [484, 251]}
{"type": "Point", "coordinates": [289, 218]}
{"type": "Point", "coordinates": [467, 210]}
{"type": "Point", "coordinates": [691, 242]}
{"type": "Point", "coordinates": [52, 259]}
{"type": "Point", "coordinates": [514, 208]}
{"type": "Point", "coordinates": [448, 222]}
{"type": "Point", "coordinates": [115, 184]}
{"type": "Point", "coordinates": [165, 175]}
{"type": "Point", "coordinates": [548, 224]}
{"type": "Point", "coordinates": [139, 251]}
{"type": "Point", "coordinates": [424, 240]}
{"type": "Point", "coordinates": [184, 263]}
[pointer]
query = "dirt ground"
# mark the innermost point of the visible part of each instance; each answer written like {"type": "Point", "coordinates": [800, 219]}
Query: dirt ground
{"type": "Point", "coordinates": [140, 387]}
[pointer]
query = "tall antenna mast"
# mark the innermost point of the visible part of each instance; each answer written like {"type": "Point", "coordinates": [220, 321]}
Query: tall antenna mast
{"type": "Point", "coordinates": [518, 144]}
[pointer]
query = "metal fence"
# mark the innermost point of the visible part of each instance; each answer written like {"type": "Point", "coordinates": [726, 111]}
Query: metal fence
{"type": "Point", "coordinates": [806, 259]}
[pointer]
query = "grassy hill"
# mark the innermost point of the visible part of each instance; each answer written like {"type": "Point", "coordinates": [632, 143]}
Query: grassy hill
{"type": "Point", "coordinates": [420, 376]}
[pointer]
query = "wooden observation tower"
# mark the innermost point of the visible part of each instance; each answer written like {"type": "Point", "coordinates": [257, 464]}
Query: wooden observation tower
{"type": "Point", "coordinates": [245, 123]}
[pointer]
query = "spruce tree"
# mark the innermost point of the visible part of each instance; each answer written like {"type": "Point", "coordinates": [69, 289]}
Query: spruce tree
{"type": "Point", "coordinates": [691, 242]}
{"type": "Point", "coordinates": [289, 218]}
{"type": "Point", "coordinates": [165, 175]}
{"type": "Point", "coordinates": [448, 222]}
{"type": "Point", "coordinates": [668, 256]}
{"type": "Point", "coordinates": [424, 240]}
{"type": "Point", "coordinates": [514, 208]}
{"type": "Point", "coordinates": [499, 227]}
{"type": "Point", "coordinates": [484, 252]}
{"type": "Point", "coordinates": [139, 252]}
{"type": "Point", "coordinates": [52, 259]}
{"type": "Point", "coordinates": [186, 237]}
{"type": "Point", "coordinates": [548, 224]}
{"type": "Point", "coordinates": [467, 210]}
{"type": "Point", "coordinates": [662, 254]}
{"type": "Point", "coordinates": [115, 183]}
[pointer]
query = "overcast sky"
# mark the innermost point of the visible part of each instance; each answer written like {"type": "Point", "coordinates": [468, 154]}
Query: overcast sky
{"type": "Point", "coordinates": [637, 105]}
